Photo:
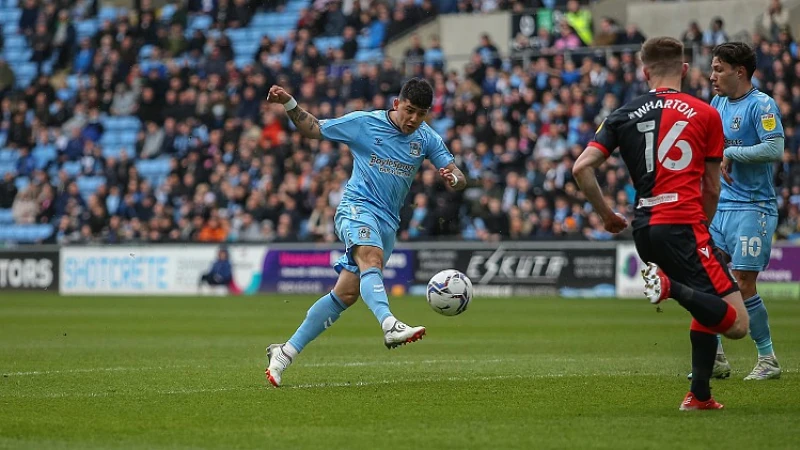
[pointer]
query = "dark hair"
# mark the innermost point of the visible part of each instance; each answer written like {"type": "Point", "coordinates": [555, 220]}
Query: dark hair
{"type": "Point", "coordinates": [663, 55]}
{"type": "Point", "coordinates": [419, 92]}
{"type": "Point", "coordinates": [737, 54]}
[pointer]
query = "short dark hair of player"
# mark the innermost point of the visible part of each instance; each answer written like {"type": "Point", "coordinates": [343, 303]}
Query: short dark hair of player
{"type": "Point", "coordinates": [737, 54]}
{"type": "Point", "coordinates": [663, 56]}
{"type": "Point", "coordinates": [419, 92]}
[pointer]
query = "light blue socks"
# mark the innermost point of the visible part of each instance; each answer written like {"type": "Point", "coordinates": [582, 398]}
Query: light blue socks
{"type": "Point", "coordinates": [320, 317]}
{"type": "Point", "coordinates": [759, 325]}
{"type": "Point", "coordinates": [374, 294]}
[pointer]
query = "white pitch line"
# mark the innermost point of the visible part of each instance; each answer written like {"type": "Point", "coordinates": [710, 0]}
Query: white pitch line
{"type": "Point", "coordinates": [324, 364]}
{"type": "Point", "coordinates": [355, 384]}
{"type": "Point", "coordinates": [88, 370]}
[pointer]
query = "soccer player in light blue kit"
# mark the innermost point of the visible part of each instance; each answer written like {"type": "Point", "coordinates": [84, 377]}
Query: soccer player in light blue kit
{"type": "Point", "coordinates": [388, 148]}
{"type": "Point", "coordinates": [748, 210]}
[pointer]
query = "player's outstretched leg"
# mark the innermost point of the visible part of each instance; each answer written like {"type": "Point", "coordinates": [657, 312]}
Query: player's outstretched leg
{"type": "Point", "coordinates": [709, 310]}
{"type": "Point", "coordinates": [767, 366]}
{"type": "Point", "coordinates": [395, 332]}
{"type": "Point", "coordinates": [322, 314]}
{"type": "Point", "coordinates": [373, 291]}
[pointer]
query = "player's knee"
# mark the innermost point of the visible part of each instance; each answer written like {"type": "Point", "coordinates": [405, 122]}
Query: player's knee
{"type": "Point", "coordinates": [347, 288]}
{"type": "Point", "coordinates": [738, 330]}
{"type": "Point", "coordinates": [369, 258]}
{"type": "Point", "coordinates": [747, 283]}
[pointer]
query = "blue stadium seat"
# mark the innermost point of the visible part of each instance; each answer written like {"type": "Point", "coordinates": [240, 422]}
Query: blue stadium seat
{"type": "Point", "coordinates": [10, 28]}
{"type": "Point", "coordinates": [324, 43]}
{"type": "Point", "coordinates": [3, 138]}
{"type": "Point", "coordinates": [7, 167]}
{"type": "Point", "coordinates": [275, 33]}
{"type": "Point", "coordinates": [26, 72]}
{"type": "Point", "coordinates": [6, 217]}
{"type": "Point", "coordinates": [17, 55]}
{"type": "Point", "coordinates": [16, 41]}
{"type": "Point", "coordinates": [10, 15]}
{"type": "Point", "coordinates": [296, 6]}
{"type": "Point", "coordinates": [166, 12]}
{"type": "Point", "coordinates": [21, 182]}
{"type": "Point", "coordinates": [44, 154]}
{"type": "Point", "coordinates": [88, 185]}
{"type": "Point", "coordinates": [109, 13]}
{"type": "Point", "coordinates": [9, 155]}
{"type": "Point", "coordinates": [11, 3]}
{"type": "Point", "coordinates": [237, 35]}
{"type": "Point", "coordinates": [72, 168]}
{"type": "Point", "coordinates": [369, 55]}
{"type": "Point", "coordinates": [145, 52]}
{"type": "Point", "coordinates": [112, 152]}
{"type": "Point", "coordinates": [27, 234]}
{"type": "Point", "coordinates": [363, 41]}
{"type": "Point", "coordinates": [199, 22]}
{"type": "Point", "coordinates": [243, 61]}
{"type": "Point", "coordinates": [86, 28]}
{"type": "Point", "coordinates": [121, 123]}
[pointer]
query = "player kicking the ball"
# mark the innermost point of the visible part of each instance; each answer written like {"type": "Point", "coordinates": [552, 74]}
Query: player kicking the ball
{"type": "Point", "coordinates": [748, 209]}
{"type": "Point", "coordinates": [672, 144]}
{"type": "Point", "coordinates": [388, 148]}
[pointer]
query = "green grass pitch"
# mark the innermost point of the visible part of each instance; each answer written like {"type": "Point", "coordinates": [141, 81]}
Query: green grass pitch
{"type": "Point", "coordinates": [154, 373]}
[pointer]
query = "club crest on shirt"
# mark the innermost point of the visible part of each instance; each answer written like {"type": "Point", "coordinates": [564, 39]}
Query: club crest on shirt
{"type": "Point", "coordinates": [768, 122]}
{"type": "Point", "coordinates": [363, 233]}
{"type": "Point", "coordinates": [415, 148]}
{"type": "Point", "coordinates": [737, 123]}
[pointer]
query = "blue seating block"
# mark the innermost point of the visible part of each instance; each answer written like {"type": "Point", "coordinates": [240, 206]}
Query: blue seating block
{"type": "Point", "coordinates": [6, 217]}
{"type": "Point", "coordinates": [27, 234]}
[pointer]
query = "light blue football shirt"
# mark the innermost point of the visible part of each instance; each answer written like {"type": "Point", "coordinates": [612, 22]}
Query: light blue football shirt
{"type": "Point", "coordinates": [385, 160]}
{"type": "Point", "coordinates": [749, 121]}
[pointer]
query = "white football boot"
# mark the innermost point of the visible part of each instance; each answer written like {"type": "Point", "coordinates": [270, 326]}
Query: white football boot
{"type": "Point", "coordinates": [767, 368]}
{"type": "Point", "coordinates": [278, 361]}
{"type": "Point", "coordinates": [722, 368]}
{"type": "Point", "coordinates": [396, 333]}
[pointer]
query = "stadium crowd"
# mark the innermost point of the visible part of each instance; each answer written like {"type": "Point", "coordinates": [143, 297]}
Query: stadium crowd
{"type": "Point", "coordinates": [212, 161]}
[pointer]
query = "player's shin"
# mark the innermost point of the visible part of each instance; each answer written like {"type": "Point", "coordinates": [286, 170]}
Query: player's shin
{"type": "Point", "coordinates": [704, 348]}
{"type": "Point", "coordinates": [320, 317]}
{"type": "Point", "coordinates": [373, 292]}
{"type": "Point", "coordinates": [709, 310]}
{"type": "Point", "coordinates": [759, 325]}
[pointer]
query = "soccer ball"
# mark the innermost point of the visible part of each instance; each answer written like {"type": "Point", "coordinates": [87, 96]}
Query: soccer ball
{"type": "Point", "coordinates": [449, 292]}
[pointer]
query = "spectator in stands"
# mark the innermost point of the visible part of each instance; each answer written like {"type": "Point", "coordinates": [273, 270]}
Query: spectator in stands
{"type": "Point", "coordinates": [7, 78]}
{"type": "Point", "coordinates": [693, 36]}
{"type": "Point", "coordinates": [775, 19]}
{"type": "Point", "coordinates": [716, 34]}
{"type": "Point", "coordinates": [580, 19]}
{"type": "Point", "coordinates": [27, 20]}
{"type": "Point", "coordinates": [8, 191]}
{"type": "Point", "coordinates": [608, 34]}
{"type": "Point", "coordinates": [25, 208]}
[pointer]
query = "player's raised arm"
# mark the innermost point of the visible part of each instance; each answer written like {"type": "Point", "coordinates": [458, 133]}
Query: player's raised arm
{"type": "Point", "coordinates": [307, 125]}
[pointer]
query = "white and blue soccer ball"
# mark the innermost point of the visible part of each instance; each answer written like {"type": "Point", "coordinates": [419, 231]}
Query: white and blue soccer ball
{"type": "Point", "coordinates": [449, 292]}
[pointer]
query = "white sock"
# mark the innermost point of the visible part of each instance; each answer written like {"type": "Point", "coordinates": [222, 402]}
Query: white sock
{"type": "Point", "coordinates": [388, 323]}
{"type": "Point", "coordinates": [290, 350]}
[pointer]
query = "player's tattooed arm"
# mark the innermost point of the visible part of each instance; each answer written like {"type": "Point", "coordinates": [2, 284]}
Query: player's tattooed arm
{"type": "Point", "coordinates": [307, 125]}
{"type": "Point", "coordinates": [454, 177]}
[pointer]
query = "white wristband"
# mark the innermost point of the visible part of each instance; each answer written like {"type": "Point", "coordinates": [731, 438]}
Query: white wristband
{"type": "Point", "coordinates": [290, 105]}
{"type": "Point", "coordinates": [454, 182]}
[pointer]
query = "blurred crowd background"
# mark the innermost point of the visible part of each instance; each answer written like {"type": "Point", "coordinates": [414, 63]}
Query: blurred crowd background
{"type": "Point", "coordinates": [126, 124]}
